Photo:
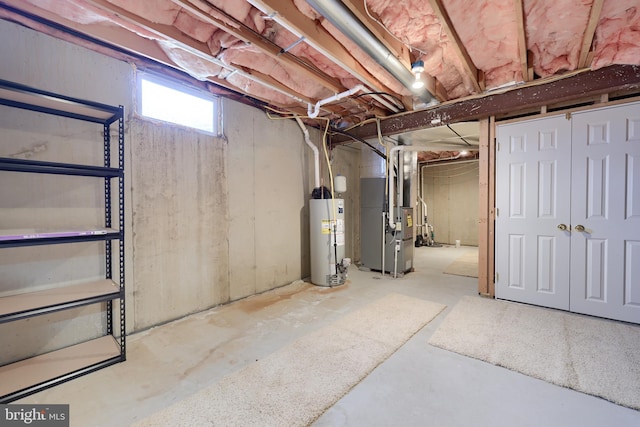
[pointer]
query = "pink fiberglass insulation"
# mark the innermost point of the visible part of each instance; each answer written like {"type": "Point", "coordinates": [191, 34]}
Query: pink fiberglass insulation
{"type": "Point", "coordinates": [248, 56]}
{"type": "Point", "coordinates": [85, 13]}
{"type": "Point", "coordinates": [554, 31]}
{"type": "Point", "coordinates": [70, 10]}
{"type": "Point", "coordinates": [157, 11]}
{"type": "Point", "coordinates": [194, 65]}
{"type": "Point", "coordinates": [488, 29]}
{"type": "Point", "coordinates": [193, 27]}
{"type": "Point", "coordinates": [284, 39]}
{"type": "Point", "coordinates": [415, 23]}
{"type": "Point", "coordinates": [617, 38]}
{"type": "Point", "coordinates": [260, 91]}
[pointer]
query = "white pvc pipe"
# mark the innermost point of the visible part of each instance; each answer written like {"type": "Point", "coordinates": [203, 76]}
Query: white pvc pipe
{"type": "Point", "coordinates": [316, 108]}
{"type": "Point", "coordinates": [316, 154]}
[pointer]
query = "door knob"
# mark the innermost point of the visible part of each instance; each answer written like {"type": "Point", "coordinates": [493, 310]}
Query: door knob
{"type": "Point", "coordinates": [580, 228]}
{"type": "Point", "coordinates": [562, 227]}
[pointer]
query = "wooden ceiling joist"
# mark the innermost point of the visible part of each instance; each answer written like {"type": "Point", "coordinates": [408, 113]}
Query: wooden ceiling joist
{"type": "Point", "coordinates": [469, 69]}
{"type": "Point", "coordinates": [527, 73]}
{"type": "Point", "coordinates": [199, 9]}
{"type": "Point", "coordinates": [287, 14]}
{"type": "Point", "coordinates": [179, 39]}
{"type": "Point", "coordinates": [589, 32]}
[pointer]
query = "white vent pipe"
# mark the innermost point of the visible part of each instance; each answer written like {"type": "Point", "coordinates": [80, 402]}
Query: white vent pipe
{"type": "Point", "coordinates": [316, 155]}
{"type": "Point", "coordinates": [316, 108]}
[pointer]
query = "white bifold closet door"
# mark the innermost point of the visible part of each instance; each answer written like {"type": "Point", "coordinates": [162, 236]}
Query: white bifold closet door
{"type": "Point", "coordinates": [605, 213]}
{"type": "Point", "coordinates": [568, 224]}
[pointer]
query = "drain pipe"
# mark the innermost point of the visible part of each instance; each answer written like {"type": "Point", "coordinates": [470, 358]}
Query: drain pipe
{"type": "Point", "coordinates": [316, 108]}
{"type": "Point", "coordinates": [316, 155]}
{"type": "Point", "coordinates": [347, 23]}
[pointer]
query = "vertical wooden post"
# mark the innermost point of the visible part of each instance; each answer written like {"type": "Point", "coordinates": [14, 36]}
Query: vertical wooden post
{"type": "Point", "coordinates": [483, 210]}
{"type": "Point", "coordinates": [491, 244]}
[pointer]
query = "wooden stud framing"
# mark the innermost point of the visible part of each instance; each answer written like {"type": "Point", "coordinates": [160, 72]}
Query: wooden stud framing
{"type": "Point", "coordinates": [491, 244]}
{"type": "Point", "coordinates": [483, 210]}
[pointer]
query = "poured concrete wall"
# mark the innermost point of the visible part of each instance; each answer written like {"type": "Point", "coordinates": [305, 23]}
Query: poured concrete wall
{"type": "Point", "coordinates": [208, 220]}
{"type": "Point", "coordinates": [451, 194]}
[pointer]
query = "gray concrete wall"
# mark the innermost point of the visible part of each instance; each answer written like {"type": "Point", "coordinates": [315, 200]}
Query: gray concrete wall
{"type": "Point", "coordinates": [209, 220]}
{"type": "Point", "coordinates": [451, 194]}
{"type": "Point", "coordinates": [179, 222]}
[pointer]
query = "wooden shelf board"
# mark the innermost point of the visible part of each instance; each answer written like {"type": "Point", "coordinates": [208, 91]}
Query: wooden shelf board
{"type": "Point", "coordinates": [36, 370]}
{"type": "Point", "coordinates": [57, 296]}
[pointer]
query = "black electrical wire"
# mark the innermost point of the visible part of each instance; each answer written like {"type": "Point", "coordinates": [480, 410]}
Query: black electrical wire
{"type": "Point", "coordinates": [460, 136]}
{"type": "Point", "coordinates": [355, 138]}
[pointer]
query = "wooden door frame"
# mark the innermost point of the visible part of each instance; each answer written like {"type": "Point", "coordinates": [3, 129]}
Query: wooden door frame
{"type": "Point", "coordinates": [486, 214]}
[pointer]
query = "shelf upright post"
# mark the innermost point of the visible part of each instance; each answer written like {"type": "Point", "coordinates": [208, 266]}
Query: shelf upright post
{"type": "Point", "coordinates": [107, 218]}
{"type": "Point", "coordinates": [121, 224]}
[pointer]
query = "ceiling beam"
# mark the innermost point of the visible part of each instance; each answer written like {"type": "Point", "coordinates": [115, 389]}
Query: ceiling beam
{"type": "Point", "coordinates": [468, 68]}
{"type": "Point", "coordinates": [238, 29]}
{"type": "Point", "coordinates": [574, 88]}
{"type": "Point", "coordinates": [589, 32]}
{"type": "Point", "coordinates": [527, 73]}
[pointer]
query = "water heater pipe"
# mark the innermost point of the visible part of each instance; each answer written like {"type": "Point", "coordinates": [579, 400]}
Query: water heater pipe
{"type": "Point", "coordinates": [391, 219]}
{"type": "Point", "coordinates": [316, 154]}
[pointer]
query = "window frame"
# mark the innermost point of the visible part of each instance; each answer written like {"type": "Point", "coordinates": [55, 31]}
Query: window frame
{"type": "Point", "coordinates": [183, 88]}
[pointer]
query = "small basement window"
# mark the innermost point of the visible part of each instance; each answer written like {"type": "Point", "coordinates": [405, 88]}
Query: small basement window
{"type": "Point", "coordinates": [163, 100]}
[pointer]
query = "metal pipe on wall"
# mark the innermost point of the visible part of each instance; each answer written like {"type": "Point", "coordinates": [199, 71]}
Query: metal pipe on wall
{"type": "Point", "coordinates": [343, 19]}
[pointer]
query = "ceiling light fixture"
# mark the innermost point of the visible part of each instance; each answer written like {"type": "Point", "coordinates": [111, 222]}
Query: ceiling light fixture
{"type": "Point", "coordinates": [417, 68]}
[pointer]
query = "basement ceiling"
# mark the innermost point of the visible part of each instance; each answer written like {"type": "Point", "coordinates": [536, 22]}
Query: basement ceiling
{"type": "Point", "coordinates": [288, 55]}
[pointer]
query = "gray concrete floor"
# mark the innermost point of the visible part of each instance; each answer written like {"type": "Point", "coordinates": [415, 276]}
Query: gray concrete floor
{"type": "Point", "coordinates": [419, 385]}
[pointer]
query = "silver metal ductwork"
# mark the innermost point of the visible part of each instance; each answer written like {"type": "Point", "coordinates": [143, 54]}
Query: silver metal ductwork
{"type": "Point", "coordinates": [345, 21]}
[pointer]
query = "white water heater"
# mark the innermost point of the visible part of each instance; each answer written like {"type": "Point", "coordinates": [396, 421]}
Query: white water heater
{"type": "Point", "coordinates": [326, 227]}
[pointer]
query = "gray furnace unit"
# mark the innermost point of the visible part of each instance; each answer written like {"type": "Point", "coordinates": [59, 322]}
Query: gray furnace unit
{"type": "Point", "coordinates": [372, 224]}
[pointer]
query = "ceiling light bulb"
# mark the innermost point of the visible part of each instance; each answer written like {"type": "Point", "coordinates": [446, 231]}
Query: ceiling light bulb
{"type": "Point", "coordinates": [418, 83]}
